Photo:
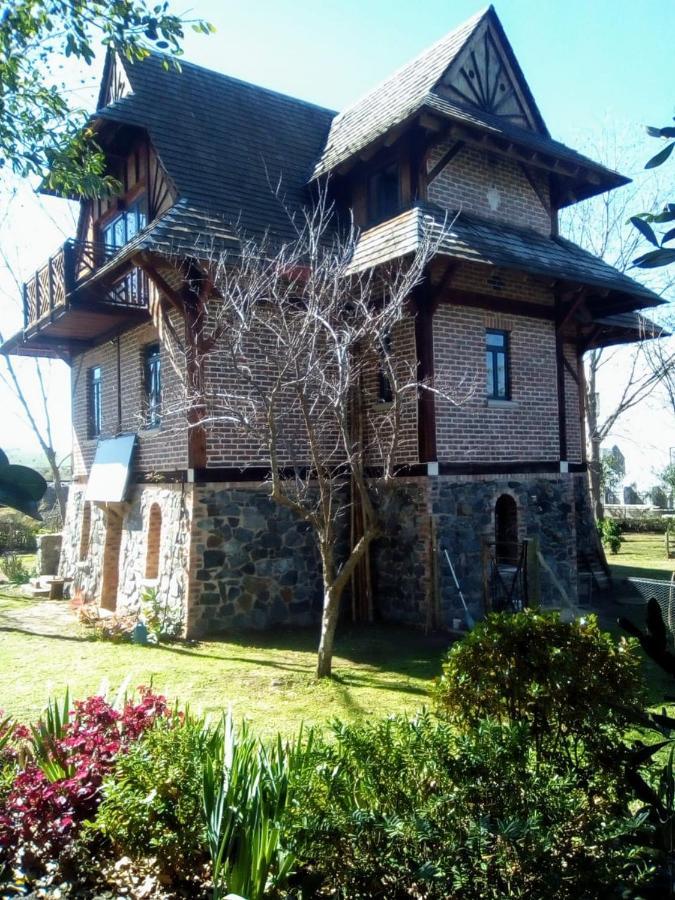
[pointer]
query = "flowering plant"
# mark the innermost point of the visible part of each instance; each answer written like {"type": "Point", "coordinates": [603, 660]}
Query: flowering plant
{"type": "Point", "coordinates": [58, 789]}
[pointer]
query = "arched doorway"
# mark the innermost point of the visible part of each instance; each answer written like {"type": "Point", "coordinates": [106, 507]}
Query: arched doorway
{"type": "Point", "coordinates": [154, 542]}
{"type": "Point", "coordinates": [111, 560]}
{"type": "Point", "coordinates": [506, 530]}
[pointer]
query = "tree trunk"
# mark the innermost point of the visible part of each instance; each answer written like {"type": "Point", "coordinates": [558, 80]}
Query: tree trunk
{"type": "Point", "coordinates": [329, 620]}
{"type": "Point", "coordinates": [58, 485]}
{"type": "Point", "coordinates": [595, 470]}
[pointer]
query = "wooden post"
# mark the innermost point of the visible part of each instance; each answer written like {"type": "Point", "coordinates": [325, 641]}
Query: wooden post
{"type": "Point", "coordinates": [533, 573]}
{"type": "Point", "coordinates": [485, 568]}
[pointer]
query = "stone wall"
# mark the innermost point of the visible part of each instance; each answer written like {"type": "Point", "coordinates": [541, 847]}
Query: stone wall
{"type": "Point", "coordinates": [253, 564]}
{"type": "Point", "coordinates": [83, 554]}
{"type": "Point", "coordinates": [401, 565]}
{"type": "Point", "coordinates": [465, 514]}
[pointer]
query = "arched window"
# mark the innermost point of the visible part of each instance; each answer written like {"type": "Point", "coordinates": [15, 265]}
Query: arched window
{"type": "Point", "coordinates": [506, 529]}
{"type": "Point", "coordinates": [154, 541]}
{"type": "Point", "coordinates": [85, 530]}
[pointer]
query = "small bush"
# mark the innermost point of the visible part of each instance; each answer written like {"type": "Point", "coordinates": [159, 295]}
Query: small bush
{"type": "Point", "coordinates": [610, 534]}
{"type": "Point", "coordinates": [14, 569]}
{"type": "Point", "coordinates": [575, 687]}
{"type": "Point", "coordinates": [151, 802]}
{"type": "Point", "coordinates": [410, 808]}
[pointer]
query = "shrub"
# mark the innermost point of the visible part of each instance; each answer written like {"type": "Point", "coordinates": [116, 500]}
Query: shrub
{"type": "Point", "coordinates": [575, 687]}
{"type": "Point", "coordinates": [247, 793]}
{"type": "Point", "coordinates": [58, 788]}
{"type": "Point", "coordinates": [412, 808]}
{"type": "Point", "coordinates": [14, 569]}
{"type": "Point", "coordinates": [610, 534]}
{"type": "Point", "coordinates": [151, 802]}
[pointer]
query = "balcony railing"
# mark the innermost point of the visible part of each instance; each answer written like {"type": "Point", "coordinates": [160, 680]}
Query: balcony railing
{"type": "Point", "coordinates": [51, 286]}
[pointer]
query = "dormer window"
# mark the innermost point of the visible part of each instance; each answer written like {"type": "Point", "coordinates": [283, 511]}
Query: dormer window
{"type": "Point", "coordinates": [384, 194]}
{"type": "Point", "coordinates": [123, 227]}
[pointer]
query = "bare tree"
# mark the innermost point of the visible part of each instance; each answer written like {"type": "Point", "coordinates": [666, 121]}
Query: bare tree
{"type": "Point", "coordinates": [602, 226]}
{"type": "Point", "coordinates": [295, 335]}
{"type": "Point", "coordinates": [35, 375]}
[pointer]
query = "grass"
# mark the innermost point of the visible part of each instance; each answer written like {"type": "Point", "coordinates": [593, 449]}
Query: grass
{"type": "Point", "coordinates": [641, 556]}
{"type": "Point", "coordinates": [268, 678]}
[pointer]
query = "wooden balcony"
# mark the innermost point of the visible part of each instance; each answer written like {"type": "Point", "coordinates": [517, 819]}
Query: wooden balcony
{"type": "Point", "coordinates": [67, 308]}
{"type": "Point", "coordinates": [51, 287]}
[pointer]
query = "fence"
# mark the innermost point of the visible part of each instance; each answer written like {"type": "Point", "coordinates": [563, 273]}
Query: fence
{"type": "Point", "coordinates": [643, 589]}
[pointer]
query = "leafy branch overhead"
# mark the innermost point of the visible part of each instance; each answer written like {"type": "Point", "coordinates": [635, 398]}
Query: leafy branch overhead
{"type": "Point", "coordinates": [663, 255]}
{"type": "Point", "coordinates": [42, 133]}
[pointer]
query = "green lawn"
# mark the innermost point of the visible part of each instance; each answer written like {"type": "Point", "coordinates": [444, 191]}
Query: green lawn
{"type": "Point", "coordinates": [266, 677]}
{"type": "Point", "coordinates": [641, 556]}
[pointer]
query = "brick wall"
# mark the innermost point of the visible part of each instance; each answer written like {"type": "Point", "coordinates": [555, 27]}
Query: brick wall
{"type": "Point", "coordinates": [493, 187]}
{"type": "Point", "coordinates": [474, 431]}
{"type": "Point", "coordinates": [574, 430]}
{"type": "Point", "coordinates": [161, 449]}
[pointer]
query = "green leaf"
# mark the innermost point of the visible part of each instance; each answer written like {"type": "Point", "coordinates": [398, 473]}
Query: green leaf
{"type": "Point", "coordinates": [655, 258]}
{"type": "Point", "coordinates": [660, 157]}
{"type": "Point", "coordinates": [645, 230]}
{"type": "Point", "coordinates": [668, 236]}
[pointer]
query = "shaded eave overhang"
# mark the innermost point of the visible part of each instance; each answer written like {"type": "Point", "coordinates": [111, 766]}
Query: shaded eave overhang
{"type": "Point", "coordinates": [575, 177]}
{"type": "Point", "coordinates": [106, 126]}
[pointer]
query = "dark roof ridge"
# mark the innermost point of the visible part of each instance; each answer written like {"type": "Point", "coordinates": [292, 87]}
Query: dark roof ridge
{"type": "Point", "coordinates": [231, 78]}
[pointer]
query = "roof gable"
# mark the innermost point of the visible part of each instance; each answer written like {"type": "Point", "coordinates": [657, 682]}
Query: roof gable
{"type": "Point", "coordinates": [485, 75]}
{"type": "Point", "coordinates": [115, 83]}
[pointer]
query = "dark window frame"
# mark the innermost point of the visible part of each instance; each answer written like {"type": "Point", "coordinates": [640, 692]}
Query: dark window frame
{"type": "Point", "coordinates": [382, 206]}
{"type": "Point", "coordinates": [152, 385]}
{"type": "Point", "coordinates": [135, 209]}
{"type": "Point", "coordinates": [494, 353]}
{"type": "Point", "coordinates": [94, 402]}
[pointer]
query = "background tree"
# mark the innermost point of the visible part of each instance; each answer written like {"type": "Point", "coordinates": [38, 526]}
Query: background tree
{"type": "Point", "coordinates": [613, 471]}
{"type": "Point", "coordinates": [296, 335]}
{"type": "Point", "coordinates": [667, 477]}
{"type": "Point", "coordinates": [662, 255]}
{"type": "Point", "coordinates": [41, 131]}
{"type": "Point", "coordinates": [600, 226]}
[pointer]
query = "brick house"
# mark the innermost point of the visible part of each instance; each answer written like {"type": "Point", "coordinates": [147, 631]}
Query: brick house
{"type": "Point", "coordinates": [454, 135]}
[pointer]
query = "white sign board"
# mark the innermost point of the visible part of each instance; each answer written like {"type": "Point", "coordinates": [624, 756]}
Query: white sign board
{"type": "Point", "coordinates": [110, 472]}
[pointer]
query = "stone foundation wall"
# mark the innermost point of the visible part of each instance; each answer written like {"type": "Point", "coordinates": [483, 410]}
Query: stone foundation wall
{"type": "Point", "coordinates": [48, 553]}
{"type": "Point", "coordinates": [229, 558]}
{"type": "Point", "coordinates": [82, 555]}
{"type": "Point", "coordinates": [400, 559]}
{"type": "Point", "coordinates": [253, 563]}
{"type": "Point", "coordinates": [465, 515]}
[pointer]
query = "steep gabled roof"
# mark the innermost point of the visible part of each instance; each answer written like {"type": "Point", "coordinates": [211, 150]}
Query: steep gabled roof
{"type": "Point", "coordinates": [234, 150]}
{"type": "Point", "coordinates": [470, 77]}
{"type": "Point", "coordinates": [394, 100]}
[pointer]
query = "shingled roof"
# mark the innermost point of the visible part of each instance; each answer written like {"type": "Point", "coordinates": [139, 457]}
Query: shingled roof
{"type": "Point", "coordinates": [236, 152]}
{"type": "Point", "coordinates": [417, 87]}
{"type": "Point", "coordinates": [471, 239]}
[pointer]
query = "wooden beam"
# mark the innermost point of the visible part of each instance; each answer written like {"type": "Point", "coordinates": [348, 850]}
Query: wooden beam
{"type": "Point", "coordinates": [443, 161]}
{"type": "Point", "coordinates": [560, 377]}
{"type": "Point", "coordinates": [424, 348]}
{"type": "Point", "coordinates": [496, 303]}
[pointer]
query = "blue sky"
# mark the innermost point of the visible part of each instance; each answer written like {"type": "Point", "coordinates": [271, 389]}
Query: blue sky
{"type": "Point", "coordinates": [586, 61]}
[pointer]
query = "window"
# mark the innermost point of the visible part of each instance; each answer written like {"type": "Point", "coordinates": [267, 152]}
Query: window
{"type": "Point", "coordinates": [152, 376]}
{"type": "Point", "coordinates": [94, 409]}
{"type": "Point", "coordinates": [384, 196]}
{"type": "Point", "coordinates": [385, 393]}
{"type": "Point", "coordinates": [120, 230]}
{"type": "Point", "coordinates": [497, 364]}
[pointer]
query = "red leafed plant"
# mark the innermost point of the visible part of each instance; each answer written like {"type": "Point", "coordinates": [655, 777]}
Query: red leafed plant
{"type": "Point", "coordinates": [58, 788]}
